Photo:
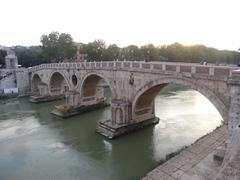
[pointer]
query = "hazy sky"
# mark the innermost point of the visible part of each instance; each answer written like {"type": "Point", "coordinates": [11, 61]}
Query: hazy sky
{"type": "Point", "coordinates": [215, 23]}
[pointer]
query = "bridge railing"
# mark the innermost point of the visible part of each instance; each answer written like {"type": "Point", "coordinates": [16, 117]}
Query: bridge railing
{"type": "Point", "coordinates": [166, 67]}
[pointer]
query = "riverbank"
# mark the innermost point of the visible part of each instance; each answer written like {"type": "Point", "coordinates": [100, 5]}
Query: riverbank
{"type": "Point", "coordinates": [194, 162]}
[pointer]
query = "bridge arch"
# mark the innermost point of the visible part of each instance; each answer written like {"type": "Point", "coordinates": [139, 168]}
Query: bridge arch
{"type": "Point", "coordinates": [145, 95]}
{"type": "Point", "coordinates": [58, 83]}
{"type": "Point", "coordinates": [89, 83]}
{"type": "Point", "coordinates": [36, 80]}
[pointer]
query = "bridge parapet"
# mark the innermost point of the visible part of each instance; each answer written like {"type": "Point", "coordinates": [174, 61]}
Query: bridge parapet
{"type": "Point", "coordinates": [186, 69]}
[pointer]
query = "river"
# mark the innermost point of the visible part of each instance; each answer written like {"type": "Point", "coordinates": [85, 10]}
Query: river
{"type": "Point", "coordinates": [35, 145]}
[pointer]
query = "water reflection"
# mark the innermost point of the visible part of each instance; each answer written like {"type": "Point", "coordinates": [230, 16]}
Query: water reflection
{"type": "Point", "coordinates": [188, 118]}
{"type": "Point", "coordinates": [37, 145]}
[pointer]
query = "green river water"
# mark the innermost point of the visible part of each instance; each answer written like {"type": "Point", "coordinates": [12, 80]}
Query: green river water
{"type": "Point", "coordinates": [34, 145]}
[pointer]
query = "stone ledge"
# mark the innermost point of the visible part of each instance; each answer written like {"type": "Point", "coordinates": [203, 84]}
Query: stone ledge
{"type": "Point", "coordinates": [72, 111]}
{"type": "Point", "coordinates": [111, 131]}
{"type": "Point", "coordinates": [41, 99]}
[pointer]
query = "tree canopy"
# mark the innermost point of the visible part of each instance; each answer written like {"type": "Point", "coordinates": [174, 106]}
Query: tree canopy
{"type": "Point", "coordinates": [57, 47]}
{"type": "Point", "coordinates": [99, 51]}
{"type": "Point", "coordinates": [197, 53]}
{"type": "Point", "coordinates": [95, 50]}
{"type": "Point", "coordinates": [29, 56]}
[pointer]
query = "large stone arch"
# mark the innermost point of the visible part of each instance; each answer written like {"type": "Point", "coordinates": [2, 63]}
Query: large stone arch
{"type": "Point", "coordinates": [152, 88]}
{"type": "Point", "coordinates": [58, 83]}
{"type": "Point", "coordinates": [96, 78]}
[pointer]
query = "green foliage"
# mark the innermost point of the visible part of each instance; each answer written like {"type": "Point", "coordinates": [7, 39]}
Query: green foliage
{"type": "Point", "coordinates": [131, 53]}
{"type": "Point", "coordinates": [112, 53]}
{"type": "Point", "coordinates": [98, 51]}
{"type": "Point", "coordinates": [198, 53]}
{"type": "Point", "coordinates": [95, 50]}
{"type": "Point", "coordinates": [29, 56]}
{"type": "Point", "coordinates": [3, 53]}
{"type": "Point", "coordinates": [58, 47]}
{"type": "Point", "coordinates": [149, 52]}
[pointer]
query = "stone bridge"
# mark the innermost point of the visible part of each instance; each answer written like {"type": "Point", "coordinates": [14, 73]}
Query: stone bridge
{"type": "Point", "coordinates": [134, 86]}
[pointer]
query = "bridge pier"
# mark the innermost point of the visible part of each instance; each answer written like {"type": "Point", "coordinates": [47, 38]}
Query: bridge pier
{"type": "Point", "coordinates": [230, 166]}
{"type": "Point", "coordinates": [122, 121]}
{"type": "Point", "coordinates": [75, 104]}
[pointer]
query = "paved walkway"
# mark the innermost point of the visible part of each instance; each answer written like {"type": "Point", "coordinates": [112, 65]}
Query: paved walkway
{"type": "Point", "coordinates": [193, 163]}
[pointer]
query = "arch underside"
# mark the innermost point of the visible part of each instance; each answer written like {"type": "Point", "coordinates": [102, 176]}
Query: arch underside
{"type": "Point", "coordinates": [35, 83]}
{"type": "Point", "coordinates": [58, 84]}
{"type": "Point", "coordinates": [143, 102]}
{"type": "Point", "coordinates": [92, 85]}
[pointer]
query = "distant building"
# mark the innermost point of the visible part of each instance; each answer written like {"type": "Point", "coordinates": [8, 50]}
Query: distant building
{"type": "Point", "coordinates": [11, 61]}
{"type": "Point", "coordinates": [80, 56]}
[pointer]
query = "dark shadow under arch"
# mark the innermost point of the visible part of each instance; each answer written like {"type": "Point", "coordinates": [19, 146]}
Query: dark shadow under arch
{"type": "Point", "coordinates": [57, 84]}
{"type": "Point", "coordinates": [35, 82]}
{"type": "Point", "coordinates": [91, 82]}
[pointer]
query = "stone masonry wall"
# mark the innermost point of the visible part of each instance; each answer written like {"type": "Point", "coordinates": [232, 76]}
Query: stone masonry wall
{"type": "Point", "coordinates": [15, 78]}
{"type": "Point", "coordinates": [7, 79]}
{"type": "Point", "coordinates": [23, 81]}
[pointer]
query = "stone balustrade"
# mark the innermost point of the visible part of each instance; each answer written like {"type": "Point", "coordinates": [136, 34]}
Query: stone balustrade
{"type": "Point", "coordinates": [165, 67]}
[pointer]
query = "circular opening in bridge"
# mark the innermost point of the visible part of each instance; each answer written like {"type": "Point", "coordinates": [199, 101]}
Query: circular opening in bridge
{"type": "Point", "coordinates": [74, 80]}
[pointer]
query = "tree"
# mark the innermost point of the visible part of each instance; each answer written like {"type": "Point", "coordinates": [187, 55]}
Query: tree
{"type": "Point", "coordinates": [95, 50]}
{"type": "Point", "coordinates": [112, 53]}
{"type": "Point", "coordinates": [149, 53]}
{"type": "Point", "coordinates": [29, 56]}
{"type": "Point", "coordinates": [58, 47]}
{"type": "Point", "coordinates": [131, 53]}
{"type": "Point", "coordinates": [3, 53]}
